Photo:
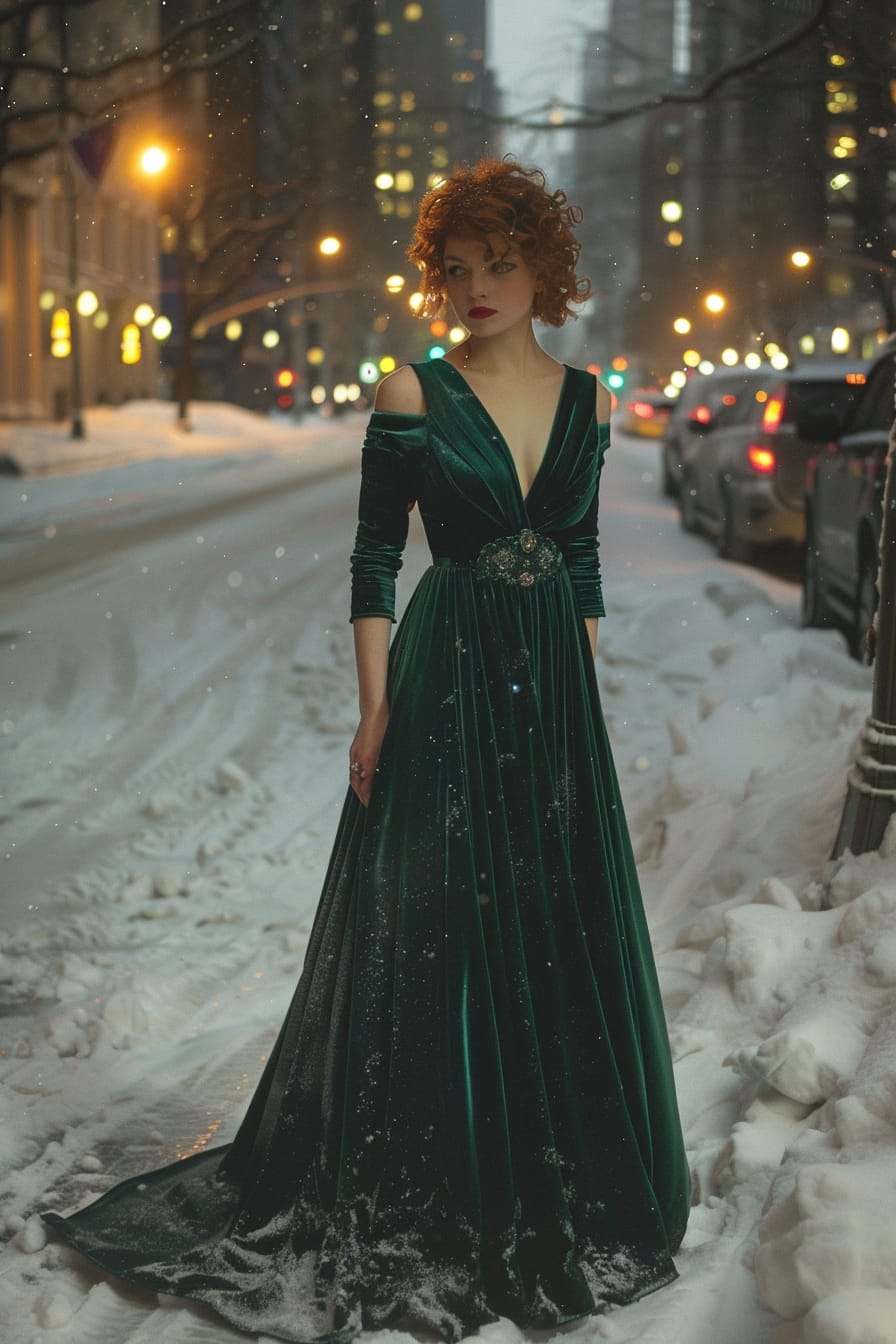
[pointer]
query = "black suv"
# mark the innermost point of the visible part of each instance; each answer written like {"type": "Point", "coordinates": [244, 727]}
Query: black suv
{"type": "Point", "coordinates": [744, 472]}
{"type": "Point", "coordinates": [844, 498]}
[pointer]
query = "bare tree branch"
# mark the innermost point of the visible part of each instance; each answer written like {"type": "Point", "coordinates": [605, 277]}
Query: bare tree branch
{"type": "Point", "coordinates": [703, 91]}
{"type": "Point", "coordinates": [49, 67]}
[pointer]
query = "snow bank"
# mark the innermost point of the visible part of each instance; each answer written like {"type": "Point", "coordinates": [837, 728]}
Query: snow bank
{"type": "Point", "coordinates": [140, 430]}
{"type": "Point", "coordinates": [779, 966]}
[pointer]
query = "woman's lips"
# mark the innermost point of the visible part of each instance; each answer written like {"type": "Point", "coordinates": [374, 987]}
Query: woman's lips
{"type": "Point", "coordinates": [482, 312]}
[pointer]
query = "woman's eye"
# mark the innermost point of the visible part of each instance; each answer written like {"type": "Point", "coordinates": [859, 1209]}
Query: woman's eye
{"type": "Point", "coordinates": [502, 267]}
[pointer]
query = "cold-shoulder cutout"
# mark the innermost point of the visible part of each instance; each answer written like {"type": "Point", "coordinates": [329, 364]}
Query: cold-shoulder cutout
{"type": "Point", "coordinates": [604, 404]}
{"type": "Point", "coordinates": [401, 391]}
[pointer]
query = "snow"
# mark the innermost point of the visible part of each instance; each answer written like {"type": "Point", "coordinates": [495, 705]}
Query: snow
{"type": "Point", "coordinates": [175, 748]}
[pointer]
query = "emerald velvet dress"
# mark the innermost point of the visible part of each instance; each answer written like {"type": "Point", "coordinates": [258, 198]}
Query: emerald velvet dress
{"type": "Point", "coordinates": [469, 1112]}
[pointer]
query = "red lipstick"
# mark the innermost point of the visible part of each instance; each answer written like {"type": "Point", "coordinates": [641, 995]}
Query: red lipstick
{"type": "Point", "coordinates": [482, 312]}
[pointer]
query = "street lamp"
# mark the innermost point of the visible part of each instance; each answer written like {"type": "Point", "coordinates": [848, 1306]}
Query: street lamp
{"type": "Point", "coordinates": [154, 160]}
{"type": "Point", "coordinates": [871, 792]}
{"type": "Point", "coordinates": [715, 302]}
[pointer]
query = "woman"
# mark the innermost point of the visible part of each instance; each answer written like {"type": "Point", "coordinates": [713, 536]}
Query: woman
{"type": "Point", "coordinates": [469, 1112]}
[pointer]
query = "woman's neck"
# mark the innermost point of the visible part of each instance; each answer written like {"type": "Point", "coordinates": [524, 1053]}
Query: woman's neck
{"type": "Point", "coordinates": [512, 354]}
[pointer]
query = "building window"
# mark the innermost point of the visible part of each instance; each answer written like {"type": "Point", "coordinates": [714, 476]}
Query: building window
{"type": "Point", "coordinates": [841, 97]}
{"type": "Point", "coordinates": [383, 98]}
{"type": "Point", "coordinates": [403, 151]}
{"type": "Point", "coordinates": [408, 101]}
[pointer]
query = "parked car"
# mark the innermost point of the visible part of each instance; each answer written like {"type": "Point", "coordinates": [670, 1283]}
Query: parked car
{"type": "Point", "coordinates": [744, 472]}
{"type": "Point", "coordinates": [646, 413]}
{"type": "Point", "coordinates": [699, 401]}
{"type": "Point", "coordinates": [843, 505]}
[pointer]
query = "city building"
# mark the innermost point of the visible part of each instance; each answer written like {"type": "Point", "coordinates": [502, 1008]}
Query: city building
{"type": "Point", "coordinates": [78, 248]}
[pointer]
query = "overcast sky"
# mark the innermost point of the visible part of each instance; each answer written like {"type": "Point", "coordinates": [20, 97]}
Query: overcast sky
{"type": "Point", "coordinates": [535, 48]}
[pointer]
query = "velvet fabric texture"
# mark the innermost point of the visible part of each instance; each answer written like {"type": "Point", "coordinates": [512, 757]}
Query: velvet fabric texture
{"type": "Point", "coordinates": [469, 1112]}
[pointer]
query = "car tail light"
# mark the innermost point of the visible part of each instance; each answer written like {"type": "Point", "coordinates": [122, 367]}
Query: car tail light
{"type": "Point", "coordinates": [702, 414]}
{"type": "Point", "coordinates": [857, 378]}
{"type": "Point", "coordinates": [772, 415]}
{"type": "Point", "coordinates": [761, 459]}
{"type": "Point", "coordinates": [642, 408]}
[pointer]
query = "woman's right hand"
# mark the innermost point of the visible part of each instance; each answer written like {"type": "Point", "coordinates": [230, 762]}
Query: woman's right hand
{"type": "Point", "coordinates": [364, 753]}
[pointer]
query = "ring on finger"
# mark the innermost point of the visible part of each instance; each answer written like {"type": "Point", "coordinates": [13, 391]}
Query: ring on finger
{"type": "Point", "coordinates": [356, 768]}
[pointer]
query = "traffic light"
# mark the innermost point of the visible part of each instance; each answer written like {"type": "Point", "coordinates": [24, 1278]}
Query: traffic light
{"type": "Point", "coordinates": [616, 378]}
{"type": "Point", "coordinates": [285, 381]}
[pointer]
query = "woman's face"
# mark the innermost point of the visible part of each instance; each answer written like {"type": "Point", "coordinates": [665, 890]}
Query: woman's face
{"type": "Point", "coordinates": [488, 285]}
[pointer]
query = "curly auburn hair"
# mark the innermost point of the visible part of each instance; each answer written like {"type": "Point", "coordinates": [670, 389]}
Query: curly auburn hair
{"type": "Point", "coordinates": [499, 196]}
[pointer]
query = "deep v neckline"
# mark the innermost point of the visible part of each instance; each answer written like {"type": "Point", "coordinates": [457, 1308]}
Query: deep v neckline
{"type": "Point", "coordinates": [511, 460]}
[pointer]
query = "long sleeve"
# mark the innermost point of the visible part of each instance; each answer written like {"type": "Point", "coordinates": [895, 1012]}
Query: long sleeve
{"type": "Point", "coordinates": [580, 544]}
{"type": "Point", "coordinates": [388, 490]}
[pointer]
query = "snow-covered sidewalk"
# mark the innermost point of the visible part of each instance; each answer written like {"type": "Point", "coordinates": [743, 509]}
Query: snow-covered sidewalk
{"type": "Point", "coordinates": [168, 826]}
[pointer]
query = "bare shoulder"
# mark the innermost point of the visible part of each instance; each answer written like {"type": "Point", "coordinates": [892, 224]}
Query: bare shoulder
{"type": "Point", "coordinates": [604, 404]}
{"type": "Point", "coordinates": [401, 391]}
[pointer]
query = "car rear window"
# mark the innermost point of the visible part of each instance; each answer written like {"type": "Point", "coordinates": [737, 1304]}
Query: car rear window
{"type": "Point", "coordinates": [809, 398]}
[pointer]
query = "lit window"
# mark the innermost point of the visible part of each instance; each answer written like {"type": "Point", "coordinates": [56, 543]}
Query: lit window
{"type": "Point", "coordinates": [386, 205]}
{"type": "Point", "coordinates": [383, 98]}
{"type": "Point", "coordinates": [384, 181]}
{"type": "Point", "coordinates": [413, 12]}
{"type": "Point", "coordinates": [385, 128]}
{"type": "Point", "coordinates": [434, 180]}
{"type": "Point", "coordinates": [440, 127]}
{"type": "Point", "coordinates": [403, 151]}
{"type": "Point", "coordinates": [463, 77]}
{"type": "Point", "coordinates": [408, 101]}
{"type": "Point", "coordinates": [404, 209]}
{"type": "Point", "coordinates": [837, 58]}
{"type": "Point", "coordinates": [404, 180]}
{"type": "Point", "coordinates": [439, 157]}
{"type": "Point", "coordinates": [383, 28]}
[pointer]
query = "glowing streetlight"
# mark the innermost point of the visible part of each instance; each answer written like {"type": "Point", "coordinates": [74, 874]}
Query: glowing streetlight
{"type": "Point", "coordinates": [154, 160]}
{"type": "Point", "coordinates": [144, 314]}
{"type": "Point", "coordinates": [681, 325]}
{"type": "Point", "coordinates": [395, 284]}
{"type": "Point", "coordinates": [715, 302]}
{"type": "Point", "coordinates": [800, 259]}
{"type": "Point", "coordinates": [691, 358]}
{"type": "Point", "coordinates": [729, 356]}
{"type": "Point", "coordinates": [329, 246]}
{"type": "Point", "coordinates": [671, 211]}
